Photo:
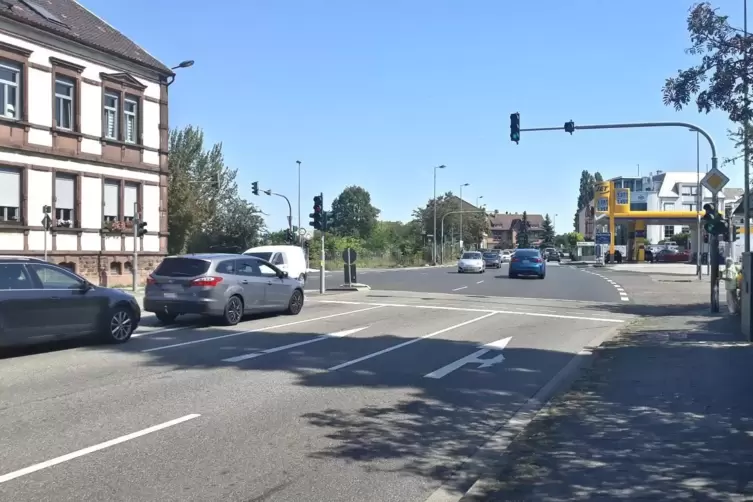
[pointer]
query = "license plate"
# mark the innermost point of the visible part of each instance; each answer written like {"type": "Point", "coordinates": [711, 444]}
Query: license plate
{"type": "Point", "coordinates": [525, 261]}
{"type": "Point", "coordinates": [171, 295]}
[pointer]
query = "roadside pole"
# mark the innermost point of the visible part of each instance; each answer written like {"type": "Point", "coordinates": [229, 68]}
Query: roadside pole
{"type": "Point", "coordinates": [321, 269]}
{"type": "Point", "coordinates": [46, 224]}
{"type": "Point", "coordinates": [135, 264]}
{"type": "Point", "coordinates": [713, 239]}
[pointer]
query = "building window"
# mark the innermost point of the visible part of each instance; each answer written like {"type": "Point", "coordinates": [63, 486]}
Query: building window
{"type": "Point", "coordinates": [686, 230]}
{"type": "Point", "coordinates": [10, 92]}
{"type": "Point", "coordinates": [130, 114]}
{"type": "Point", "coordinates": [130, 201]}
{"type": "Point", "coordinates": [690, 190]}
{"type": "Point", "coordinates": [110, 119]}
{"type": "Point", "coordinates": [689, 207]}
{"type": "Point", "coordinates": [669, 231]}
{"type": "Point", "coordinates": [669, 206]}
{"type": "Point", "coordinates": [112, 201]}
{"type": "Point", "coordinates": [65, 194]}
{"type": "Point", "coordinates": [10, 195]}
{"type": "Point", "coordinates": [64, 91]}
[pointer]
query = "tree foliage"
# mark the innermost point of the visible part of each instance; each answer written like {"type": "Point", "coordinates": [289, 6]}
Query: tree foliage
{"type": "Point", "coordinates": [475, 224]}
{"type": "Point", "coordinates": [523, 237]}
{"type": "Point", "coordinates": [718, 80]}
{"type": "Point", "coordinates": [352, 213]}
{"type": "Point", "coordinates": [548, 234]}
{"type": "Point", "coordinates": [204, 209]}
{"type": "Point", "coordinates": [586, 192]}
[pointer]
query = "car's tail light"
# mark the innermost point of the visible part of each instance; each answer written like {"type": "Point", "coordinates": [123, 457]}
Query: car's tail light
{"type": "Point", "coordinates": [207, 281]}
{"type": "Point", "coordinates": [151, 280]}
{"type": "Point", "coordinates": [537, 260]}
{"type": "Point", "coordinates": [514, 259]}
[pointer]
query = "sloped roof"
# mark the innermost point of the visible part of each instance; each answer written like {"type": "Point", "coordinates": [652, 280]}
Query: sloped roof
{"type": "Point", "coordinates": [505, 221]}
{"type": "Point", "coordinates": [70, 19]}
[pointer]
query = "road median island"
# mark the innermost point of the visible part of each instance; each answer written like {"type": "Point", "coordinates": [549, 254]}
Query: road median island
{"type": "Point", "coordinates": [667, 394]}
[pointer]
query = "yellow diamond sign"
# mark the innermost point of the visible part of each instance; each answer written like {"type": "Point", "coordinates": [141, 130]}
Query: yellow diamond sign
{"type": "Point", "coordinates": [715, 180]}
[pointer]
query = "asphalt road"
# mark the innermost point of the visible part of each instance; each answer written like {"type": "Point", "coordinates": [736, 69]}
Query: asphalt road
{"type": "Point", "coordinates": [562, 282]}
{"type": "Point", "coordinates": [363, 396]}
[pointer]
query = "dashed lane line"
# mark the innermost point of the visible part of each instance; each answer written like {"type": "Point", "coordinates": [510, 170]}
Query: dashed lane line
{"type": "Point", "coordinates": [620, 290]}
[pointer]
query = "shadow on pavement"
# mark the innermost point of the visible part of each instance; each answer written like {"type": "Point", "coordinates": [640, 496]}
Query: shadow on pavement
{"type": "Point", "coordinates": [663, 414]}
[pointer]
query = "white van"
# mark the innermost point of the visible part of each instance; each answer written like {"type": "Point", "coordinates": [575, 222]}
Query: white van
{"type": "Point", "coordinates": [289, 259]}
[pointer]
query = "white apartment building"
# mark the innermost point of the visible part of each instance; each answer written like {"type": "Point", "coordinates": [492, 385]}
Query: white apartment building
{"type": "Point", "coordinates": [83, 129]}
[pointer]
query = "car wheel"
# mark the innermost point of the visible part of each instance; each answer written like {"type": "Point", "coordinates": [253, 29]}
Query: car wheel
{"type": "Point", "coordinates": [542, 276]}
{"type": "Point", "coordinates": [512, 276]}
{"type": "Point", "coordinates": [460, 271]}
{"type": "Point", "coordinates": [166, 318]}
{"type": "Point", "coordinates": [120, 325]}
{"type": "Point", "coordinates": [233, 311]}
{"type": "Point", "coordinates": [296, 303]}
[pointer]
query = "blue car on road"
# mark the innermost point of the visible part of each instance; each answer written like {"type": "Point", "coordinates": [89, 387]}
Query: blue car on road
{"type": "Point", "coordinates": [527, 262]}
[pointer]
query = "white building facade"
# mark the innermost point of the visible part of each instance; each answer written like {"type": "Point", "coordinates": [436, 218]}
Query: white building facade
{"type": "Point", "coordinates": [84, 130]}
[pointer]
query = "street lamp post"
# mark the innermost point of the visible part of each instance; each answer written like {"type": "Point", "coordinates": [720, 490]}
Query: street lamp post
{"type": "Point", "coordinates": [461, 215]}
{"type": "Point", "coordinates": [300, 237]}
{"type": "Point", "coordinates": [183, 64]}
{"type": "Point", "coordinates": [434, 240]}
{"type": "Point", "coordinates": [478, 200]}
{"type": "Point", "coordinates": [699, 203]}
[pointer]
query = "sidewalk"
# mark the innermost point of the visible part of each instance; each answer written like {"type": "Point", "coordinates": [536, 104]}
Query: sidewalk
{"type": "Point", "coordinates": [665, 412]}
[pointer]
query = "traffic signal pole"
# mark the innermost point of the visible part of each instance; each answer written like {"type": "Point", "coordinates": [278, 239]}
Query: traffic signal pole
{"type": "Point", "coordinates": [713, 239]}
{"type": "Point", "coordinates": [135, 264]}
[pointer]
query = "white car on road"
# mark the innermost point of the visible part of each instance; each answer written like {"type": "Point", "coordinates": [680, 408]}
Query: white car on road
{"type": "Point", "coordinates": [506, 256]}
{"type": "Point", "coordinates": [471, 261]}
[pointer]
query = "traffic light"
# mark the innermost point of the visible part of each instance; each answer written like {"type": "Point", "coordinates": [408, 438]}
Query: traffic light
{"type": "Point", "coordinates": [515, 127]}
{"type": "Point", "coordinates": [710, 219]}
{"type": "Point", "coordinates": [316, 216]}
{"type": "Point", "coordinates": [705, 238]}
{"type": "Point", "coordinates": [570, 127]}
{"type": "Point", "coordinates": [141, 229]}
{"type": "Point", "coordinates": [215, 183]}
{"type": "Point", "coordinates": [734, 233]}
{"type": "Point", "coordinates": [255, 188]}
{"type": "Point", "coordinates": [289, 235]}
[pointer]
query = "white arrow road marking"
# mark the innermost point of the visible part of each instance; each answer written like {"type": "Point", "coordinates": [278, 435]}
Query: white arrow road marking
{"type": "Point", "coordinates": [474, 358]}
{"type": "Point", "coordinates": [253, 355]}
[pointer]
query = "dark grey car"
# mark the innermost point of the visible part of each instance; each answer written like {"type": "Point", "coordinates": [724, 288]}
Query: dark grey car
{"type": "Point", "coordinates": [221, 285]}
{"type": "Point", "coordinates": [41, 302]}
{"type": "Point", "coordinates": [492, 259]}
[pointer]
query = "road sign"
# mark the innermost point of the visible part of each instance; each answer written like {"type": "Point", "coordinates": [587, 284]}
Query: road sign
{"type": "Point", "coordinates": [715, 180]}
{"type": "Point", "coordinates": [46, 222]}
{"type": "Point", "coordinates": [301, 232]}
{"type": "Point", "coordinates": [349, 255]}
{"type": "Point", "coordinates": [603, 238]}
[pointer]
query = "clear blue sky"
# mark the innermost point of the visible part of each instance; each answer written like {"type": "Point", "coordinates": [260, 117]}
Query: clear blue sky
{"type": "Point", "coordinates": [375, 93]}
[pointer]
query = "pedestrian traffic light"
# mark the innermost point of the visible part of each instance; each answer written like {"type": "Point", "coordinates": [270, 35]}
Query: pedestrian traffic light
{"type": "Point", "coordinates": [255, 188]}
{"type": "Point", "coordinates": [734, 233]}
{"type": "Point", "coordinates": [515, 127]}
{"type": "Point", "coordinates": [316, 216]}
{"type": "Point", "coordinates": [141, 229]}
{"type": "Point", "coordinates": [569, 126]}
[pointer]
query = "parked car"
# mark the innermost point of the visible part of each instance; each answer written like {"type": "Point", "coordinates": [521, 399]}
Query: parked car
{"type": "Point", "coordinates": [493, 260]}
{"type": "Point", "coordinates": [671, 256]}
{"type": "Point", "coordinates": [527, 262]}
{"type": "Point", "coordinates": [505, 256]}
{"type": "Point", "coordinates": [471, 261]}
{"type": "Point", "coordinates": [42, 302]}
{"type": "Point", "coordinates": [225, 286]}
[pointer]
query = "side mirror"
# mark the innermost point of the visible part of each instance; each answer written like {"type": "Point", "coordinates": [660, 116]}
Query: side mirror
{"type": "Point", "coordinates": [86, 286]}
{"type": "Point", "coordinates": [282, 275]}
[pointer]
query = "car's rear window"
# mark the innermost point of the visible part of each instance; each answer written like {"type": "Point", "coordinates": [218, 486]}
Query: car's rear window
{"type": "Point", "coordinates": [182, 267]}
{"type": "Point", "coordinates": [526, 252]}
{"type": "Point", "coordinates": [263, 256]}
{"type": "Point", "coordinates": [471, 256]}
{"type": "Point", "coordinates": [490, 255]}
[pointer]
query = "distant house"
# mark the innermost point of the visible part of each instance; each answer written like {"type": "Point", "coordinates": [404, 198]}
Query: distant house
{"type": "Point", "coordinates": [504, 229]}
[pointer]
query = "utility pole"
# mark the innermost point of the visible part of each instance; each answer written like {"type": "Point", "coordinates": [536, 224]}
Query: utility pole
{"type": "Point", "coordinates": [300, 238]}
{"type": "Point", "coordinates": [135, 262]}
{"type": "Point", "coordinates": [290, 211]}
{"type": "Point", "coordinates": [461, 215]}
{"type": "Point", "coordinates": [434, 240]}
{"type": "Point", "coordinates": [699, 203]}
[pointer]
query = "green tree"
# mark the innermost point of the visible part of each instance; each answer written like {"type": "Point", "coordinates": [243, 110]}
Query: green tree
{"type": "Point", "coordinates": [573, 238]}
{"type": "Point", "coordinates": [524, 240]}
{"type": "Point", "coordinates": [548, 234]}
{"type": "Point", "coordinates": [352, 213]}
{"type": "Point", "coordinates": [204, 209]}
{"type": "Point", "coordinates": [586, 192]}
{"type": "Point", "coordinates": [717, 81]}
{"type": "Point", "coordinates": [475, 222]}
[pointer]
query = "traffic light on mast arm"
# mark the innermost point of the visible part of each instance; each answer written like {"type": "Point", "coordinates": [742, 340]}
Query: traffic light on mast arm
{"type": "Point", "coordinates": [255, 188]}
{"type": "Point", "coordinates": [734, 233]}
{"type": "Point", "coordinates": [316, 216]}
{"type": "Point", "coordinates": [515, 127]}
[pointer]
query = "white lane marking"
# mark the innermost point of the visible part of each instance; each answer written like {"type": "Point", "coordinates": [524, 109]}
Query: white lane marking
{"type": "Point", "coordinates": [254, 355]}
{"type": "Point", "coordinates": [474, 358]}
{"type": "Point", "coordinates": [409, 342]}
{"type": "Point", "coordinates": [257, 330]}
{"type": "Point", "coordinates": [91, 449]}
{"type": "Point", "coordinates": [620, 290]}
{"type": "Point", "coordinates": [163, 330]}
{"type": "Point", "coordinates": [490, 311]}
{"type": "Point", "coordinates": [479, 282]}
{"type": "Point", "coordinates": [458, 289]}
